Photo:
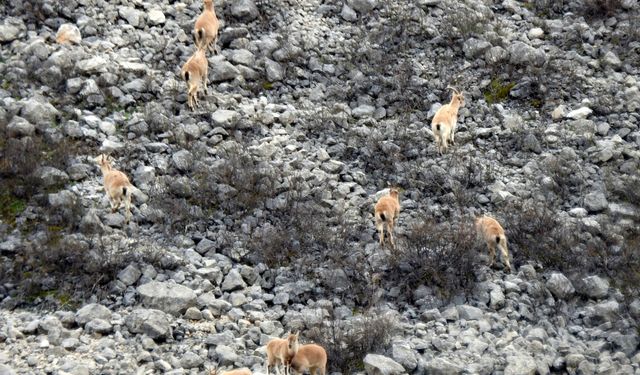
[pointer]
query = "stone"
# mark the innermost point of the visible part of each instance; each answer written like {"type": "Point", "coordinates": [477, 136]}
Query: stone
{"type": "Point", "coordinates": [11, 29]}
{"type": "Point", "coordinates": [193, 313]}
{"type": "Point", "coordinates": [168, 297]}
{"type": "Point", "coordinates": [20, 127]}
{"type": "Point", "coordinates": [535, 33]}
{"type": "Point", "coordinates": [100, 326]}
{"type": "Point", "coordinates": [611, 59]}
{"type": "Point", "coordinates": [559, 112]}
{"type": "Point", "coordinates": [596, 201]}
{"type": "Point", "coordinates": [580, 113]}
{"type": "Point", "coordinates": [348, 14]}
{"type": "Point", "coordinates": [37, 110]}
{"type": "Point", "coordinates": [594, 287]}
{"type": "Point", "coordinates": [442, 366]}
{"type": "Point", "coordinates": [156, 17]}
{"type": "Point", "coordinates": [405, 356]}
{"type": "Point", "coordinates": [92, 311]}
{"type": "Point", "coordinates": [363, 110]}
{"type": "Point", "coordinates": [474, 47]}
{"type": "Point", "coordinates": [469, 312]}
{"type": "Point", "coordinates": [274, 70]}
{"type": "Point", "coordinates": [68, 32]}
{"type": "Point", "coordinates": [522, 54]}
{"type": "Point", "coordinates": [233, 281]}
{"type": "Point", "coordinates": [520, 364]}
{"type": "Point", "coordinates": [191, 360]}
{"type": "Point", "coordinates": [129, 275]}
{"type": "Point", "coordinates": [376, 364]}
{"type": "Point", "coordinates": [560, 286]}
{"type": "Point", "coordinates": [183, 160]}
{"type": "Point", "coordinates": [362, 6]}
{"type": "Point", "coordinates": [225, 117]}
{"type": "Point", "coordinates": [245, 9]}
{"type": "Point", "coordinates": [222, 70]}
{"type": "Point", "coordinates": [133, 16]}
{"type": "Point", "coordinates": [96, 64]}
{"type": "Point", "coordinates": [153, 323]}
{"type": "Point", "coordinates": [226, 355]}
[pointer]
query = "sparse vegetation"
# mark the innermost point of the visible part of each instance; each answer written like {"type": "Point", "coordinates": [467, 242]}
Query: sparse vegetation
{"type": "Point", "coordinates": [438, 255]}
{"type": "Point", "coordinates": [498, 91]}
{"type": "Point", "coordinates": [347, 342]}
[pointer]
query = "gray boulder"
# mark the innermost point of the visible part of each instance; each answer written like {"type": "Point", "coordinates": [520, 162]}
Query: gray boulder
{"type": "Point", "coordinates": [11, 29]}
{"type": "Point", "coordinates": [92, 311]}
{"type": "Point", "coordinates": [442, 366]}
{"type": "Point", "coordinates": [521, 364]}
{"type": "Point", "coordinates": [171, 298]}
{"type": "Point", "coordinates": [596, 201]}
{"type": "Point", "coordinates": [594, 287]}
{"type": "Point", "coordinates": [523, 54]}
{"type": "Point", "coordinates": [469, 312]}
{"type": "Point", "coordinates": [129, 275]}
{"type": "Point", "coordinates": [560, 286]}
{"type": "Point", "coordinates": [363, 6]}
{"type": "Point", "coordinates": [153, 323]}
{"type": "Point", "coordinates": [375, 364]}
{"type": "Point", "coordinates": [20, 127]}
{"type": "Point", "coordinates": [233, 281]}
{"type": "Point", "coordinates": [245, 9]}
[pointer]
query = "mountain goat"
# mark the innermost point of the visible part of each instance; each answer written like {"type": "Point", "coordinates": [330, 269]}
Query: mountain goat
{"type": "Point", "coordinates": [493, 234]}
{"type": "Point", "coordinates": [281, 351]}
{"type": "Point", "coordinates": [445, 120]}
{"type": "Point", "coordinates": [387, 210]}
{"type": "Point", "coordinates": [116, 185]}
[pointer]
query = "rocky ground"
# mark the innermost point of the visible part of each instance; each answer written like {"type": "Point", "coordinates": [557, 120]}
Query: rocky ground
{"type": "Point", "coordinates": [254, 212]}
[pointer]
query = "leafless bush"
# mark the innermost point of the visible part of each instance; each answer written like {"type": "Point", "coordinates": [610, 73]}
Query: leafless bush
{"type": "Point", "coordinates": [536, 232]}
{"type": "Point", "coordinates": [439, 255]}
{"type": "Point", "coordinates": [347, 342]}
{"type": "Point", "coordinates": [73, 267]}
{"type": "Point", "coordinates": [600, 8]}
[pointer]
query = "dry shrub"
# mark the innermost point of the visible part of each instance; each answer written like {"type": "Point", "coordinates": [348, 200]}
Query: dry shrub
{"type": "Point", "coordinates": [535, 232]}
{"type": "Point", "coordinates": [601, 8]}
{"type": "Point", "coordinates": [439, 255]}
{"type": "Point", "coordinates": [64, 264]}
{"type": "Point", "coordinates": [347, 342]}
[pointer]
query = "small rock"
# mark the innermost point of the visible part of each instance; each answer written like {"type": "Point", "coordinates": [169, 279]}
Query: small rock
{"type": "Point", "coordinates": [596, 201]}
{"type": "Point", "coordinates": [153, 323]}
{"type": "Point", "coordinates": [560, 286]}
{"type": "Point", "coordinates": [92, 311]}
{"type": "Point", "coordinates": [68, 33]}
{"type": "Point", "coordinates": [375, 364]}
{"type": "Point", "coordinates": [225, 117]}
{"type": "Point", "coordinates": [129, 275]}
{"type": "Point", "coordinates": [156, 17]}
{"type": "Point", "coordinates": [595, 287]}
{"type": "Point", "coordinates": [245, 9]}
{"type": "Point", "coordinates": [168, 297]}
{"type": "Point", "coordinates": [580, 113]}
{"type": "Point", "coordinates": [233, 281]}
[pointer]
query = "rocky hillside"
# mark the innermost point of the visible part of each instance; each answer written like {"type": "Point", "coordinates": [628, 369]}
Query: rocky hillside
{"type": "Point", "coordinates": [254, 212]}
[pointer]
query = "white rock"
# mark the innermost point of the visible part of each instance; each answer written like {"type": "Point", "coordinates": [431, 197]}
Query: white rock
{"type": "Point", "coordinates": [580, 113]}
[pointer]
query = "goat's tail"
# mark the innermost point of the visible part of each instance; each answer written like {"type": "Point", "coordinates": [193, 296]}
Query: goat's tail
{"type": "Point", "coordinates": [200, 34]}
{"type": "Point", "coordinates": [438, 128]}
{"type": "Point", "coordinates": [382, 217]}
{"type": "Point", "coordinates": [186, 76]}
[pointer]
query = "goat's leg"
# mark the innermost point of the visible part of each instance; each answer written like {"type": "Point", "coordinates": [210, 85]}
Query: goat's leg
{"type": "Point", "coordinates": [492, 253]}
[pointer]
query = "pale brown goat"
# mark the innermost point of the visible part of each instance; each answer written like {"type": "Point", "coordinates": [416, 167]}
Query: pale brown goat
{"type": "Point", "coordinates": [281, 351]}
{"type": "Point", "coordinates": [195, 73]}
{"type": "Point", "coordinates": [116, 185]}
{"type": "Point", "coordinates": [387, 210]}
{"type": "Point", "coordinates": [310, 357]}
{"type": "Point", "coordinates": [445, 121]}
{"type": "Point", "coordinates": [493, 234]}
{"type": "Point", "coordinates": [205, 31]}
